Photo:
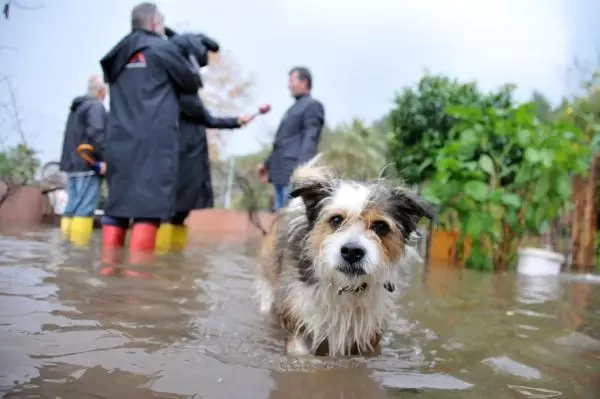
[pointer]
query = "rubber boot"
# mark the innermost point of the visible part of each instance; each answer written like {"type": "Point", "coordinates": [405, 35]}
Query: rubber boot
{"type": "Point", "coordinates": [142, 242]}
{"type": "Point", "coordinates": [113, 236]}
{"type": "Point", "coordinates": [164, 238]}
{"type": "Point", "coordinates": [180, 237]}
{"type": "Point", "coordinates": [65, 227]}
{"type": "Point", "coordinates": [113, 241]}
{"type": "Point", "coordinates": [81, 230]}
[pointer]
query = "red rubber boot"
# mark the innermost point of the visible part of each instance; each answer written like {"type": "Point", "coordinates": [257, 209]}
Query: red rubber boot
{"type": "Point", "coordinates": [113, 240]}
{"type": "Point", "coordinates": [142, 242]}
{"type": "Point", "coordinates": [113, 236]}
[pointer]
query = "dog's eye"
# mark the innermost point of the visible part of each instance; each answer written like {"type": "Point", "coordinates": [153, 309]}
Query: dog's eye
{"type": "Point", "coordinates": [380, 228]}
{"type": "Point", "coordinates": [336, 221]}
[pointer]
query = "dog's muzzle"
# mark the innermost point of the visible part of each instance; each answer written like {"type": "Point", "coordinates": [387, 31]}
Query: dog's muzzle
{"type": "Point", "coordinates": [352, 253]}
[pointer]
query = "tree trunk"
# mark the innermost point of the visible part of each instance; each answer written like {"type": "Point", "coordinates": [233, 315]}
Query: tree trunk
{"type": "Point", "coordinates": [583, 234]}
{"type": "Point", "coordinates": [502, 254]}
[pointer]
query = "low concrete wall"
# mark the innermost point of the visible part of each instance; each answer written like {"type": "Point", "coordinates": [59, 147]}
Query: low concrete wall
{"type": "Point", "coordinates": [25, 205]}
{"type": "Point", "coordinates": [219, 223]}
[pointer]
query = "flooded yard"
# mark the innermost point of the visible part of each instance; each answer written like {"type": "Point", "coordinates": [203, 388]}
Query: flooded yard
{"type": "Point", "coordinates": [191, 329]}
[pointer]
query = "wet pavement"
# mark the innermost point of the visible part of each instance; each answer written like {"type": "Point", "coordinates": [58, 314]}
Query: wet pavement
{"type": "Point", "coordinates": [190, 329]}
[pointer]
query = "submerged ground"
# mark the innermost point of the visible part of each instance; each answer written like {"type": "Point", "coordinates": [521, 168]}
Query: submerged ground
{"type": "Point", "coordinates": [192, 330]}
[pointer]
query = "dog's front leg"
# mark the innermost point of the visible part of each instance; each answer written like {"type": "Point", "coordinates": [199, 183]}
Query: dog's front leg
{"type": "Point", "coordinates": [266, 295]}
{"type": "Point", "coordinates": [296, 346]}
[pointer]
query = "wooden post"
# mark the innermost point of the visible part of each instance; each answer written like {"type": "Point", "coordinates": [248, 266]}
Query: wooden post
{"type": "Point", "coordinates": [583, 233]}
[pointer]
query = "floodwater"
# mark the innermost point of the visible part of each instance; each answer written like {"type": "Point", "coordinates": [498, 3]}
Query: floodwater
{"type": "Point", "coordinates": [191, 329]}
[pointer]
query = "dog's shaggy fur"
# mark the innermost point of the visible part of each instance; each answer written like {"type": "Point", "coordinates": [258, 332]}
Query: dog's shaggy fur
{"type": "Point", "coordinates": [330, 261]}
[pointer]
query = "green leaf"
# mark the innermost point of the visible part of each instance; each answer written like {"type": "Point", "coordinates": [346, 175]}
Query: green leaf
{"type": "Point", "coordinates": [546, 157]}
{"type": "Point", "coordinates": [563, 188]}
{"type": "Point", "coordinates": [512, 200]}
{"type": "Point", "coordinates": [541, 189]}
{"type": "Point", "coordinates": [471, 166]}
{"type": "Point", "coordinates": [486, 164]}
{"type": "Point", "coordinates": [430, 194]}
{"type": "Point", "coordinates": [523, 137]}
{"type": "Point", "coordinates": [428, 162]}
{"type": "Point", "coordinates": [475, 226]}
{"type": "Point", "coordinates": [511, 217]}
{"type": "Point", "coordinates": [477, 190]}
{"type": "Point", "coordinates": [532, 155]}
{"type": "Point", "coordinates": [468, 137]}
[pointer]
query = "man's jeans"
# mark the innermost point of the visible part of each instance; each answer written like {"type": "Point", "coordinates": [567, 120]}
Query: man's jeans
{"type": "Point", "coordinates": [281, 195]}
{"type": "Point", "coordinates": [83, 192]}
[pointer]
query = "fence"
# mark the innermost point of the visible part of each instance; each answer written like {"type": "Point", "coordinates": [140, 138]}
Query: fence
{"type": "Point", "coordinates": [238, 188]}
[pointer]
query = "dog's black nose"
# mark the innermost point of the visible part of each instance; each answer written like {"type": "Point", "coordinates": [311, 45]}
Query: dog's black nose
{"type": "Point", "coordinates": [352, 252]}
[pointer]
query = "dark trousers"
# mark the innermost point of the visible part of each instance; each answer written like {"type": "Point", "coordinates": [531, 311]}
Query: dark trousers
{"type": "Point", "coordinates": [124, 222]}
{"type": "Point", "coordinates": [179, 218]}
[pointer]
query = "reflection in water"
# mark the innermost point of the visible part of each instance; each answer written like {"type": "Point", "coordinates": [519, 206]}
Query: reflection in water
{"type": "Point", "coordinates": [188, 327]}
{"type": "Point", "coordinates": [539, 289]}
{"type": "Point", "coordinates": [349, 382]}
{"type": "Point", "coordinates": [61, 380]}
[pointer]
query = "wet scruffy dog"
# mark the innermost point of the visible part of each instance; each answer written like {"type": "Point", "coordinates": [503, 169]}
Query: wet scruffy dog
{"type": "Point", "coordinates": [330, 261]}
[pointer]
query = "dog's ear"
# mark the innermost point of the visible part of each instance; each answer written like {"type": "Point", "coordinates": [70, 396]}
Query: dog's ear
{"type": "Point", "coordinates": [407, 208]}
{"type": "Point", "coordinates": [312, 193]}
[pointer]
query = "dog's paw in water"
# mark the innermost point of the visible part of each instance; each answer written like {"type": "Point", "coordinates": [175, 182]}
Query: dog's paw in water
{"type": "Point", "coordinates": [296, 346]}
{"type": "Point", "coordinates": [266, 297]}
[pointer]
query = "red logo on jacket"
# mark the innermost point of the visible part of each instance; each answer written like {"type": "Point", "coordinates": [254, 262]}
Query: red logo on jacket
{"type": "Point", "coordinates": [137, 61]}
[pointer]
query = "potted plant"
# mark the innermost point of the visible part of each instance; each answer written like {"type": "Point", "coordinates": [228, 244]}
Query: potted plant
{"type": "Point", "coordinates": [420, 127]}
{"type": "Point", "coordinates": [505, 175]}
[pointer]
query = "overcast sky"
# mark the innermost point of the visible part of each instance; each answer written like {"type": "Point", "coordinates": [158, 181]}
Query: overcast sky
{"type": "Point", "coordinates": [360, 51]}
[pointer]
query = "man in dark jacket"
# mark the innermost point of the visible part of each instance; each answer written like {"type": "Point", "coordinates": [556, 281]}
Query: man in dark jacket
{"type": "Point", "coordinates": [86, 124]}
{"type": "Point", "coordinates": [146, 74]}
{"type": "Point", "coordinates": [194, 190]}
{"type": "Point", "coordinates": [297, 137]}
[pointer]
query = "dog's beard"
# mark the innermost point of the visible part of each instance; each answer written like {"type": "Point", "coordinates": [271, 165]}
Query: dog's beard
{"type": "Point", "coordinates": [330, 273]}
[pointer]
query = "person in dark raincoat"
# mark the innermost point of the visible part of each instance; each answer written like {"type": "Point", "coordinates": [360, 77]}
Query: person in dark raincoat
{"type": "Point", "coordinates": [86, 124]}
{"type": "Point", "coordinates": [194, 189]}
{"type": "Point", "coordinates": [146, 75]}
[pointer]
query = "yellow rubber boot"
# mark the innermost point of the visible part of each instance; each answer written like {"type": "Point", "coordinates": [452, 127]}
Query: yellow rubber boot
{"type": "Point", "coordinates": [81, 230]}
{"type": "Point", "coordinates": [65, 227]}
{"type": "Point", "coordinates": [180, 238]}
{"type": "Point", "coordinates": [164, 238]}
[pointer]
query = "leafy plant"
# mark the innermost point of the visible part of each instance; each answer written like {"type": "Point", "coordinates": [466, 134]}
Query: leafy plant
{"type": "Point", "coordinates": [420, 124]}
{"type": "Point", "coordinates": [505, 174]}
{"type": "Point", "coordinates": [19, 164]}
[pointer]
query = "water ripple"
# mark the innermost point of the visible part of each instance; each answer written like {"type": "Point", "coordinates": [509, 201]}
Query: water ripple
{"type": "Point", "coordinates": [193, 329]}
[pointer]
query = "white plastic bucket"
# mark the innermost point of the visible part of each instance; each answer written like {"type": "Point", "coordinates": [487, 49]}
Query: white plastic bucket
{"type": "Point", "coordinates": [58, 201]}
{"type": "Point", "coordinates": [539, 262]}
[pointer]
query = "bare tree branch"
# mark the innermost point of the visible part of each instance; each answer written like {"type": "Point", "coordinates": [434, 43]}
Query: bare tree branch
{"type": "Point", "coordinates": [18, 4]}
{"type": "Point", "coordinates": [5, 47]}
{"type": "Point", "coordinates": [6, 9]}
{"type": "Point", "coordinates": [226, 92]}
{"type": "Point", "coordinates": [13, 108]}
{"type": "Point", "coordinates": [582, 73]}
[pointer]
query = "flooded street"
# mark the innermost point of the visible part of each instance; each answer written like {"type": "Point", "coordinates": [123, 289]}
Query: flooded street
{"type": "Point", "coordinates": [191, 329]}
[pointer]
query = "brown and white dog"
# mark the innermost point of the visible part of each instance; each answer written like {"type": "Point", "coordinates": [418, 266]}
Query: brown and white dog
{"type": "Point", "coordinates": [330, 261]}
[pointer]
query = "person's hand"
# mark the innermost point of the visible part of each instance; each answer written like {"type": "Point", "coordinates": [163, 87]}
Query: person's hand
{"type": "Point", "coordinates": [245, 119]}
{"type": "Point", "coordinates": [101, 168]}
{"type": "Point", "coordinates": [261, 170]}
